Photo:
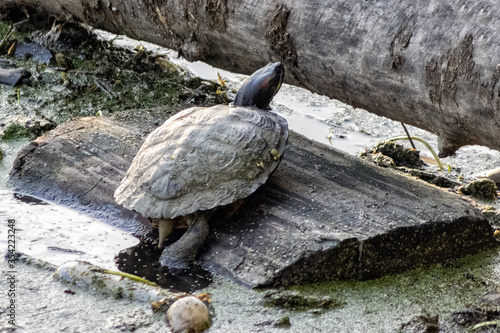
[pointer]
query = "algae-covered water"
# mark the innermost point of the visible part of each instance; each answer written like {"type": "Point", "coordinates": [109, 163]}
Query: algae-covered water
{"type": "Point", "coordinates": [126, 79]}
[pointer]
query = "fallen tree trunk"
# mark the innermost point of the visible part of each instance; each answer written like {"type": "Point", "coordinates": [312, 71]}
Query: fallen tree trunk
{"type": "Point", "coordinates": [323, 215]}
{"type": "Point", "coordinates": [432, 65]}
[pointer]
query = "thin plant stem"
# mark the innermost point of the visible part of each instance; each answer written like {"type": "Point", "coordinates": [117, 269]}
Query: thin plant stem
{"type": "Point", "coordinates": [127, 275]}
{"type": "Point", "coordinates": [408, 135]}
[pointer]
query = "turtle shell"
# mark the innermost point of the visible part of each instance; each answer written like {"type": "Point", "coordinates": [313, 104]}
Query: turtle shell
{"type": "Point", "coordinates": [202, 158]}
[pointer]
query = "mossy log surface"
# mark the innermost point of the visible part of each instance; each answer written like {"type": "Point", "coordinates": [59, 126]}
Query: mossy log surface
{"type": "Point", "coordinates": [323, 215]}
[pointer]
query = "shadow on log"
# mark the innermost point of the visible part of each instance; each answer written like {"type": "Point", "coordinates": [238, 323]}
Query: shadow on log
{"type": "Point", "coordinates": [323, 215]}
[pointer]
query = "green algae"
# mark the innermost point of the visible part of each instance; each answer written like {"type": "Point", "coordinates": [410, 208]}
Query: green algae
{"type": "Point", "coordinates": [387, 304]}
{"type": "Point", "coordinates": [15, 131]}
{"type": "Point", "coordinates": [97, 77]}
{"type": "Point", "coordinates": [295, 300]}
{"type": "Point", "coordinates": [483, 189]}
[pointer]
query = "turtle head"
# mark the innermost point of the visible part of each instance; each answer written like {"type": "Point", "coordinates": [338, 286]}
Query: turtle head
{"type": "Point", "coordinates": [259, 89]}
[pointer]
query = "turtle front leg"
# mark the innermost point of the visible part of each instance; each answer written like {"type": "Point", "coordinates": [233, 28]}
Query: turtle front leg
{"type": "Point", "coordinates": [182, 252]}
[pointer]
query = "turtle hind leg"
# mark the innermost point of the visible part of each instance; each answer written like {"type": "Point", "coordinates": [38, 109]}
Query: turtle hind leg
{"type": "Point", "coordinates": [184, 251]}
{"type": "Point", "coordinates": [165, 227]}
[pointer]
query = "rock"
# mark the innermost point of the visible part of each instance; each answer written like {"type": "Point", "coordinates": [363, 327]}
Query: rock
{"type": "Point", "coordinates": [493, 174]}
{"type": "Point", "coordinates": [34, 51]}
{"type": "Point", "coordinates": [323, 215]}
{"type": "Point", "coordinates": [188, 314]}
{"type": "Point", "coordinates": [484, 189]}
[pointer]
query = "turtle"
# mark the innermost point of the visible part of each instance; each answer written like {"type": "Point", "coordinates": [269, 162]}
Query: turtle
{"type": "Point", "coordinates": [203, 158]}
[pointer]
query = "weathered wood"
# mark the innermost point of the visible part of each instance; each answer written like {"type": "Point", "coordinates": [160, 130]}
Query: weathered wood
{"type": "Point", "coordinates": [428, 64]}
{"type": "Point", "coordinates": [322, 215]}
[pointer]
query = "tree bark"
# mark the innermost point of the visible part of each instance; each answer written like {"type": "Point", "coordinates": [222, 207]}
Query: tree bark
{"type": "Point", "coordinates": [425, 63]}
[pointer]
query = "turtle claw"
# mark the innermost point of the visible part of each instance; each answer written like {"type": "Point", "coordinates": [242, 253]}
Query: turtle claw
{"type": "Point", "coordinates": [165, 228]}
{"type": "Point", "coordinates": [173, 263]}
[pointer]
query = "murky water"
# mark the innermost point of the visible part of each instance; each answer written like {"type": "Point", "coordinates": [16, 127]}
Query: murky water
{"type": "Point", "coordinates": [52, 232]}
{"type": "Point", "coordinates": [57, 234]}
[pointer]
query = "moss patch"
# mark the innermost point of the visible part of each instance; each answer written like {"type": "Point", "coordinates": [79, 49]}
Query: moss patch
{"type": "Point", "coordinates": [15, 131]}
{"type": "Point", "coordinates": [295, 300]}
{"type": "Point", "coordinates": [88, 76]}
{"type": "Point", "coordinates": [484, 189]}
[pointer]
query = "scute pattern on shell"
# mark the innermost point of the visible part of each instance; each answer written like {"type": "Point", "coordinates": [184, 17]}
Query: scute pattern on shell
{"type": "Point", "coordinates": [202, 158]}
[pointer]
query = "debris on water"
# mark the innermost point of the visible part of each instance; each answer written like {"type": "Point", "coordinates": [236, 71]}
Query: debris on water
{"type": "Point", "coordinates": [29, 199]}
{"type": "Point", "coordinates": [485, 313]}
{"type": "Point", "coordinates": [491, 214]}
{"type": "Point", "coordinates": [16, 127]}
{"type": "Point", "coordinates": [63, 61]}
{"type": "Point", "coordinates": [484, 189]}
{"type": "Point", "coordinates": [400, 155]}
{"type": "Point", "coordinates": [432, 178]}
{"type": "Point", "coordinates": [87, 276]}
{"type": "Point", "coordinates": [378, 158]}
{"type": "Point", "coordinates": [422, 323]}
{"type": "Point", "coordinates": [294, 300]}
{"type": "Point", "coordinates": [64, 36]}
{"type": "Point", "coordinates": [56, 248]}
{"type": "Point", "coordinates": [20, 257]}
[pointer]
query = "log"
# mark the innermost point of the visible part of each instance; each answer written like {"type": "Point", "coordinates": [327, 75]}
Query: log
{"type": "Point", "coordinates": [323, 215]}
{"type": "Point", "coordinates": [433, 66]}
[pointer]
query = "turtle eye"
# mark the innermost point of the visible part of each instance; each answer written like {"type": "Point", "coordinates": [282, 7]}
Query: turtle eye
{"type": "Point", "coordinates": [278, 71]}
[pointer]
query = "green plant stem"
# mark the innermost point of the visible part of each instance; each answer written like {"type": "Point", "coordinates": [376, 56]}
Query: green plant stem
{"type": "Point", "coordinates": [438, 161]}
{"type": "Point", "coordinates": [127, 275]}
{"type": "Point", "coordinates": [486, 323]}
{"type": "Point", "coordinates": [5, 39]}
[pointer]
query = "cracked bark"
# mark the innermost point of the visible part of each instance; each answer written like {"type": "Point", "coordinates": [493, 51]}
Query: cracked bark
{"type": "Point", "coordinates": [428, 64]}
